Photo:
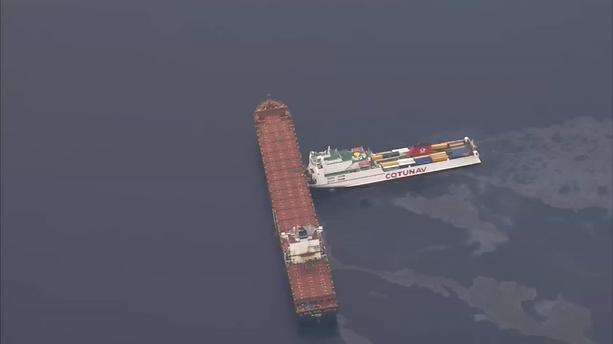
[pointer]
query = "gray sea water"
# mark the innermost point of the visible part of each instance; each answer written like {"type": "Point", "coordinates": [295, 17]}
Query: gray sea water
{"type": "Point", "coordinates": [134, 206]}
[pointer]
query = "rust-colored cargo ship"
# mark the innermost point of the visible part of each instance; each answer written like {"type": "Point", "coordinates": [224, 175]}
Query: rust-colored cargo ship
{"type": "Point", "coordinates": [295, 220]}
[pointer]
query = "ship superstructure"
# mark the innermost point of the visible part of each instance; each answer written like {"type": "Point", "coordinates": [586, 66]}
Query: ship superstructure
{"type": "Point", "coordinates": [296, 224]}
{"type": "Point", "coordinates": [334, 168]}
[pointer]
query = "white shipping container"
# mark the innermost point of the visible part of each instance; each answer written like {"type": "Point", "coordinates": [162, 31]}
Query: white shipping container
{"type": "Point", "coordinates": [408, 161]}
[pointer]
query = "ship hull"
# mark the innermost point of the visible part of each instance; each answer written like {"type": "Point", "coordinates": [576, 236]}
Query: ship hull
{"type": "Point", "coordinates": [377, 175]}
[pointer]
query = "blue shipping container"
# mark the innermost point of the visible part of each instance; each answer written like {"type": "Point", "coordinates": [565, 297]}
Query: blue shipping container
{"type": "Point", "coordinates": [423, 160]}
{"type": "Point", "coordinates": [459, 149]}
{"type": "Point", "coordinates": [459, 152]}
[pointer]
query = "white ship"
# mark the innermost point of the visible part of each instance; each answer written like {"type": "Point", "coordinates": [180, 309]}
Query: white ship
{"type": "Point", "coordinates": [335, 168]}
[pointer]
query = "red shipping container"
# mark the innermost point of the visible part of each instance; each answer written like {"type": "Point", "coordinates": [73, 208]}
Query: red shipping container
{"type": "Point", "coordinates": [420, 150]}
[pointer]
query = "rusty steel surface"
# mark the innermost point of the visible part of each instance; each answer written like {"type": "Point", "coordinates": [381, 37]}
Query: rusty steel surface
{"type": "Point", "coordinates": [311, 283]}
